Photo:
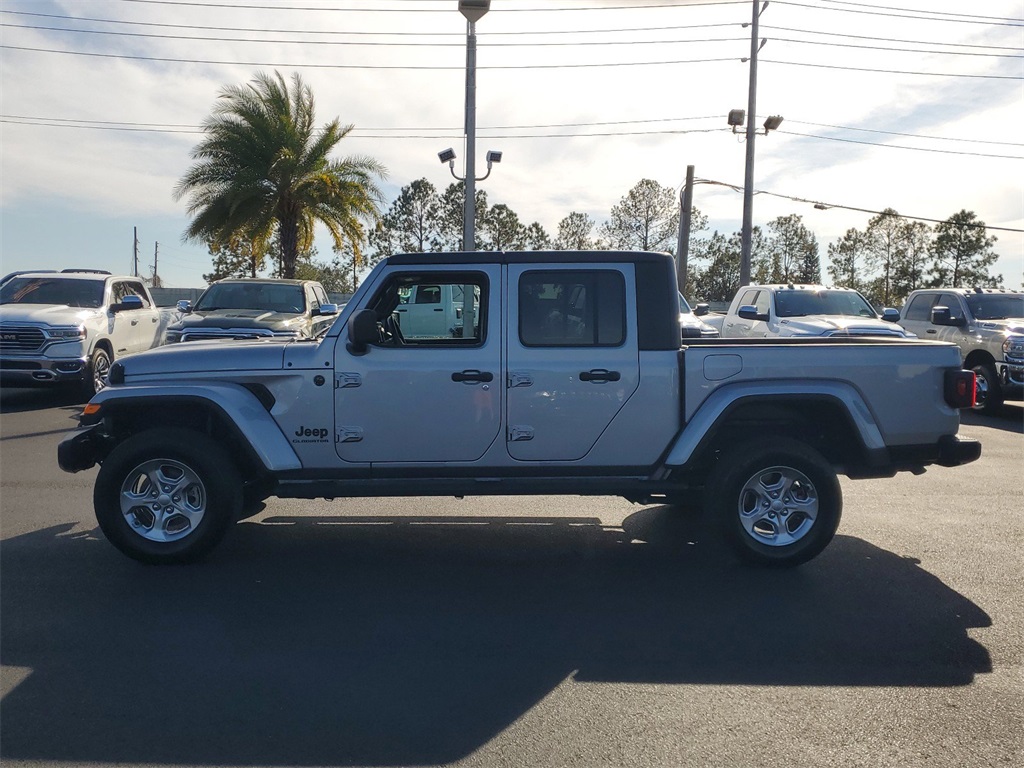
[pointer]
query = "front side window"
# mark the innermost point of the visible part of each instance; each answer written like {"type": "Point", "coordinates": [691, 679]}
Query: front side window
{"type": "Point", "coordinates": [431, 310]}
{"type": "Point", "coordinates": [572, 309]}
{"type": "Point", "coordinates": [952, 302]}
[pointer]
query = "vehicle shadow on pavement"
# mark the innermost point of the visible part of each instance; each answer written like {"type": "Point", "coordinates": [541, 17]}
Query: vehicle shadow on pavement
{"type": "Point", "coordinates": [18, 400]}
{"type": "Point", "coordinates": [1009, 418]}
{"type": "Point", "coordinates": [396, 640]}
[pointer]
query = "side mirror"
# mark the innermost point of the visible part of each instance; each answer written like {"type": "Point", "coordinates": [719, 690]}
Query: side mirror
{"type": "Point", "coordinates": [890, 315]}
{"type": "Point", "coordinates": [184, 306]}
{"type": "Point", "coordinates": [362, 331]}
{"type": "Point", "coordinates": [749, 312]}
{"type": "Point", "coordinates": [701, 309]}
{"type": "Point", "coordinates": [326, 309]}
{"type": "Point", "coordinates": [941, 316]}
{"type": "Point", "coordinates": [127, 303]}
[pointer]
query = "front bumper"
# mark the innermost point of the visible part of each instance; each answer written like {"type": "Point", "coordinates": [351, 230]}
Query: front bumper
{"type": "Point", "coordinates": [80, 449]}
{"type": "Point", "coordinates": [40, 371]}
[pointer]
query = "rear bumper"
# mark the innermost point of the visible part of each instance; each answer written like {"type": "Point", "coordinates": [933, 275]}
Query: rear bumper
{"type": "Point", "coordinates": [949, 451]}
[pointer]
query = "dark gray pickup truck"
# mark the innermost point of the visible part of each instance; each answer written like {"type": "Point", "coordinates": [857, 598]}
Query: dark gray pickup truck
{"type": "Point", "coordinates": [244, 308]}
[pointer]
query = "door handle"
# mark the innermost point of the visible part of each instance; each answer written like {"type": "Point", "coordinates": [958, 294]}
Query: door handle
{"type": "Point", "coordinates": [931, 330]}
{"type": "Point", "coordinates": [473, 375]}
{"type": "Point", "coordinates": [600, 375]}
{"type": "Point", "coordinates": [439, 309]}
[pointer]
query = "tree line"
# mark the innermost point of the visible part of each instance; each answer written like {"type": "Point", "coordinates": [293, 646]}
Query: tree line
{"type": "Point", "coordinates": [264, 177]}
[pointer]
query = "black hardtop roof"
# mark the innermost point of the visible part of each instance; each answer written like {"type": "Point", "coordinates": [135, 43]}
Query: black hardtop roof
{"type": "Point", "coordinates": [528, 257]}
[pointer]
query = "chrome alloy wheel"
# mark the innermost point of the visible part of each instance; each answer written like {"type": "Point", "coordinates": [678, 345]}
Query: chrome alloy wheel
{"type": "Point", "coordinates": [163, 500]}
{"type": "Point", "coordinates": [100, 372]}
{"type": "Point", "coordinates": [778, 506]}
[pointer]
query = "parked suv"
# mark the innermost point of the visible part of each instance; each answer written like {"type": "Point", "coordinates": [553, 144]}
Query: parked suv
{"type": "Point", "coordinates": [253, 308]}
{"type": "Point", "coordinates": [988, 326]}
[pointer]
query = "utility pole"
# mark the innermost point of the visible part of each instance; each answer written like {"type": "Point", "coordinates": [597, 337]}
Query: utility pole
{"type": "Point", "coordinates": [135, 251]}
{"type": "Point", "coordinates": [156, 266]}
{"type": "Point", "coordinates": [748, 177]}
{"type": "Point", "coordinates": [683, 243]}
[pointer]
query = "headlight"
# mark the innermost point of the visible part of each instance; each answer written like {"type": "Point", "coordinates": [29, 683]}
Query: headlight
{"type": "Point", "coordinates": [1014, 346]}
{"type": "Point", "coordinates": [66, 334]}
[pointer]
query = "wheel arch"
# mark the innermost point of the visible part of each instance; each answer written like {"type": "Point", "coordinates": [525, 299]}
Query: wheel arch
{"type": "Point", "coordinates": [233, 415]}
{"type": "Point", "coordinates": [978, 357]}
{"type": "Point", "coordinates": [831, 418]}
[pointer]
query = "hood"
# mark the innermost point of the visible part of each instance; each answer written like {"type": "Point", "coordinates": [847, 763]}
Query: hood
{"type": "Point", "coordinates": [1010, 325]}
{"type": "Point", "coordinates": [207, 357]}
{"type": "Point", "coordinates": [45, 314]}
{"type": "Point", "coordinates": [829, 325]}
{"type": "Point", "coordinates": [240, 318]}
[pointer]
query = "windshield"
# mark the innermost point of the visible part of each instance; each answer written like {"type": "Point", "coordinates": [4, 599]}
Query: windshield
{"type": "Point", "coordinates": [268, 297]}
{"type": "Point", "coordinates": [53, 290]}
{"type": "Point", "coordinates": [993, 306]}
{"type": "Point", "coordinates": [799, 303]}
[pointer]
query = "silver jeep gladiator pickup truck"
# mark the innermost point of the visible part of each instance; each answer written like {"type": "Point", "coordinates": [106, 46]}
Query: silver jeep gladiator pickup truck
{"type": "Point", "coordinates": [573, 381]}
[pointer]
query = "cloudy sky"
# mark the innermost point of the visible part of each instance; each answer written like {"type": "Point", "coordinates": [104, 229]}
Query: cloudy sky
{"type": "Point", "coordinates": [916, 105]}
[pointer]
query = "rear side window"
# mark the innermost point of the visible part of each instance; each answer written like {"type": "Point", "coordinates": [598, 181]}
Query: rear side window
{"type": "Point", "coordinates": [572, 308]}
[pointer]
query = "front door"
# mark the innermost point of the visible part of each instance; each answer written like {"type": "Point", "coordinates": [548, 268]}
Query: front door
{"type": "Point", "coordinates": [572, 357]}
{"type": "Point", "coordinates": [427, 397]}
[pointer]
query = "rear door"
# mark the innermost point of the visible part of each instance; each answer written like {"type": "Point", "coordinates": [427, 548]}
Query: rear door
{"type": "Point", "coordinates": [573, 358]}
{"type": "Point", "coordinates": [428, 397]}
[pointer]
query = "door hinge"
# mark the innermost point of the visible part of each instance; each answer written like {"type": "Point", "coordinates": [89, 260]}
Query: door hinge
{"type": "Point", "coordinates": [520, 433]}
{"type": "Point", "coordinates": [347, 380]}
{"type": "Point", "coordinates": [349, 435]}
{"type": "Point", "coordinates": [520, 380]}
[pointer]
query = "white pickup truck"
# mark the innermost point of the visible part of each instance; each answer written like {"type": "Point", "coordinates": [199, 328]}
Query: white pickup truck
{"type": "Point", "coordinates": [572, 381]}
{"type": "Point", "coordinates": [70, 326]}
{"type": "Point", "coordinates": [426, 310]}
{"type": "Point", "coordinates": [780, 311]}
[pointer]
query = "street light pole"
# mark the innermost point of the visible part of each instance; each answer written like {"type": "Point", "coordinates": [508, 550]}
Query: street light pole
{"type": "Point", "coordinates": [473, 10]}
{"type": "Point", "coordinates": [469, 208]}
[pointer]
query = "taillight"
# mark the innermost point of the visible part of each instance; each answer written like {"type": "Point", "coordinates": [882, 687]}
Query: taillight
{"type": "Point", "coordinates": [960, 389]}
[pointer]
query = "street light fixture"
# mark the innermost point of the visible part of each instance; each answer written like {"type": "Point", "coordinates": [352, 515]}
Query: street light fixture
{"type": "Point", "coordinates": [772, 123]}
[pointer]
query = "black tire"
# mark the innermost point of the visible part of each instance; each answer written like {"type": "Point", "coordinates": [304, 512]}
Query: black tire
{"type": "Point", "coordinates": [778, 505]}
{"type": "Point", "coordinates": [97, 371]}
{"type": "Point", "coordinates": [201, 495]}
{"type": "Point", "coordinates": [989, 393]}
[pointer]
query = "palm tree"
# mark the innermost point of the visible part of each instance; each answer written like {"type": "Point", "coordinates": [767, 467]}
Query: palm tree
{"type": "Point", "coordinates": [263, 166]}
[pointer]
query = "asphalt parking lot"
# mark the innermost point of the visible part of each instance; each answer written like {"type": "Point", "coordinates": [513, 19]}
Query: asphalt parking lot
{"type": "Point", "coordinates": [549, 631]}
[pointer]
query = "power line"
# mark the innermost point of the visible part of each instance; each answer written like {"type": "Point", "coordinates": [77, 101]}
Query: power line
{"type": "Point", "coordinates": [684, 3]}
{"type": "Point", "coordinates": [739, 188]}
{"type": "Point", "coordinates": [202, 38]}
{"type": "Point", "coordinates": [421, 67]}
{"type": "Point", "coordinates": [409, 132]}
{"type": "Point", "coordinates": [889, 71]}
{"type": "Point", "coordinates": [900, 146]}
{"type": "Point", "coordinates": [206, 38]}
{"type": "Point", "coordinates": [458, 35]}
{"type": "Point", "coordinates": [915, 10]}
{"type": "Point", "coordinates": [999, 21]}
{"type": "Point", "coordinates": [890, 39]}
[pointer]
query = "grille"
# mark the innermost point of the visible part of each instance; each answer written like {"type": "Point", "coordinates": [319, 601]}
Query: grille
{"type": "Point", "coordinates": [14, 339]}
